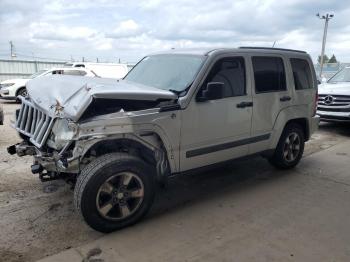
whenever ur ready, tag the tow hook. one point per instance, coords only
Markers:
(12, 149)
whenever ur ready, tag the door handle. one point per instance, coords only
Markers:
(285, 98)
(244, 104)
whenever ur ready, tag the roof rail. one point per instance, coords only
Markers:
(271, 48)
(214, 49)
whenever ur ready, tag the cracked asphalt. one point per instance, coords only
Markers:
(246, 211)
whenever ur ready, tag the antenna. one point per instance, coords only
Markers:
(273, 44)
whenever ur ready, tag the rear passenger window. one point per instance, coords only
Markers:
(269, 74)
(301, 73)
(231, 72)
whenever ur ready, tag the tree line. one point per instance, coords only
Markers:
(328, 60)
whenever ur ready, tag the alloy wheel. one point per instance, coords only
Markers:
(120, 196)
(291, 148)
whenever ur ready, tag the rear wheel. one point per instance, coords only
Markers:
(114, 191)
(290, 147)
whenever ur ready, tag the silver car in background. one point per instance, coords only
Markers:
(334, 98)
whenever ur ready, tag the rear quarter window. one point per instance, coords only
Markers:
(301, 73)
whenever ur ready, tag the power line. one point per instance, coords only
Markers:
(43, 58)
(70, 58)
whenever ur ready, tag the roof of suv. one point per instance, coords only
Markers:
(210, 51)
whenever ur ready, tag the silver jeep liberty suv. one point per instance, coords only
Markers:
(173, 113)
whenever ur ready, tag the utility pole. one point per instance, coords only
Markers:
(12, 48)
(35, 62)
(326, 17)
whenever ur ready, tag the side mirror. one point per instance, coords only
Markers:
(213, 91)
(318, 82)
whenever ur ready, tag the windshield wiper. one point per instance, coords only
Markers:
(176, 92)
(184, 91)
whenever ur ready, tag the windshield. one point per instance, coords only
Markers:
(37, 74)
(342, 76)
(168, 72)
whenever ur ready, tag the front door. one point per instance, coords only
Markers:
(218, 130)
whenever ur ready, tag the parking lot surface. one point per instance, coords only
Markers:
(247, 211)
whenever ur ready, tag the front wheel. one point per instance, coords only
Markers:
(22, 92)
(114, 191)
(290, 147)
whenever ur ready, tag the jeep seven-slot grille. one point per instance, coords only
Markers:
(33, 123)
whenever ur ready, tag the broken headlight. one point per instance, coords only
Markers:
(62, 132)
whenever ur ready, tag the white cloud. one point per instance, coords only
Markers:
(127, 28)
(102, 44)
(46, 31)
(133, 28)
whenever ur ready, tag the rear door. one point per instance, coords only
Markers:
(305, 84)
(271, 94)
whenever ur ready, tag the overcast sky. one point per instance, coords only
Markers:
(130, 29)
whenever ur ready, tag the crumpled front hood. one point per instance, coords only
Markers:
(69, 96)
(336, 89)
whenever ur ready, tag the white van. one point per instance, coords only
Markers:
(106, 70)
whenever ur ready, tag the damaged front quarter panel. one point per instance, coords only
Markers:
(144, 127)
(111, 133)
(104, 115)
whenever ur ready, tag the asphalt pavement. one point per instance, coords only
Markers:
(260, 214)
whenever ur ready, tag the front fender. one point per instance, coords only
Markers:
(147, 136)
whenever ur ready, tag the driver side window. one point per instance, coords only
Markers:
(230, 72)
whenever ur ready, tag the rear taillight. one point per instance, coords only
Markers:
(316, 102)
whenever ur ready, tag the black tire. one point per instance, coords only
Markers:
(87, 192)
(279, 158)
(21, 92)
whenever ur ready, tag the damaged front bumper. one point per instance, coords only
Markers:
(49, 166)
